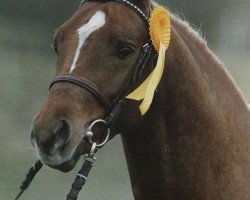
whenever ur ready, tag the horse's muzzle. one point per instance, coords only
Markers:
(53, 139)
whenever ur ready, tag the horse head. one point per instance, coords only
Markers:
(100, 44)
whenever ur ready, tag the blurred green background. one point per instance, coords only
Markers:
(27, 64)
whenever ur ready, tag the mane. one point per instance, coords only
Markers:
(189, 33)
(193, 34)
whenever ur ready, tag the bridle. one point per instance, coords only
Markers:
(112, 109)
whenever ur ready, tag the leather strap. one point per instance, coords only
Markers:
(126, 3)
(80, 180)
(85, 85)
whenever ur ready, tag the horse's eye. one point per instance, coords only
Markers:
(125, 52)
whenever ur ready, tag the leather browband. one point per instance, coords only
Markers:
(85, 85)
(127, 3)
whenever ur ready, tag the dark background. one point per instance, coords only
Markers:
(27, 64)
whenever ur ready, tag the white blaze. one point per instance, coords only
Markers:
(96, 22)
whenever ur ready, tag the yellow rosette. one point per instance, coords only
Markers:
(160, 31)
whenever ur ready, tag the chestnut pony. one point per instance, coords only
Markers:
(193, 143)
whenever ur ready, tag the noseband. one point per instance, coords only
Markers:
(85, 85)
(112, 109)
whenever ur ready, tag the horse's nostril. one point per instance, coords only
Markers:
(62, 134)
(32, 137)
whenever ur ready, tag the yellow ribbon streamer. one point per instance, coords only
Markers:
(160, 36)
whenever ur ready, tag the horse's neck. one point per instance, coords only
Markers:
(193, 142)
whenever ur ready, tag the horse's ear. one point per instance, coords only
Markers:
(145, 5)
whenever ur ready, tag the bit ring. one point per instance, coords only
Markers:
(90, 134)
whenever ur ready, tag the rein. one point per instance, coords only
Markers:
(112, 109)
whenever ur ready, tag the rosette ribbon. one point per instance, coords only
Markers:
(160, 31)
